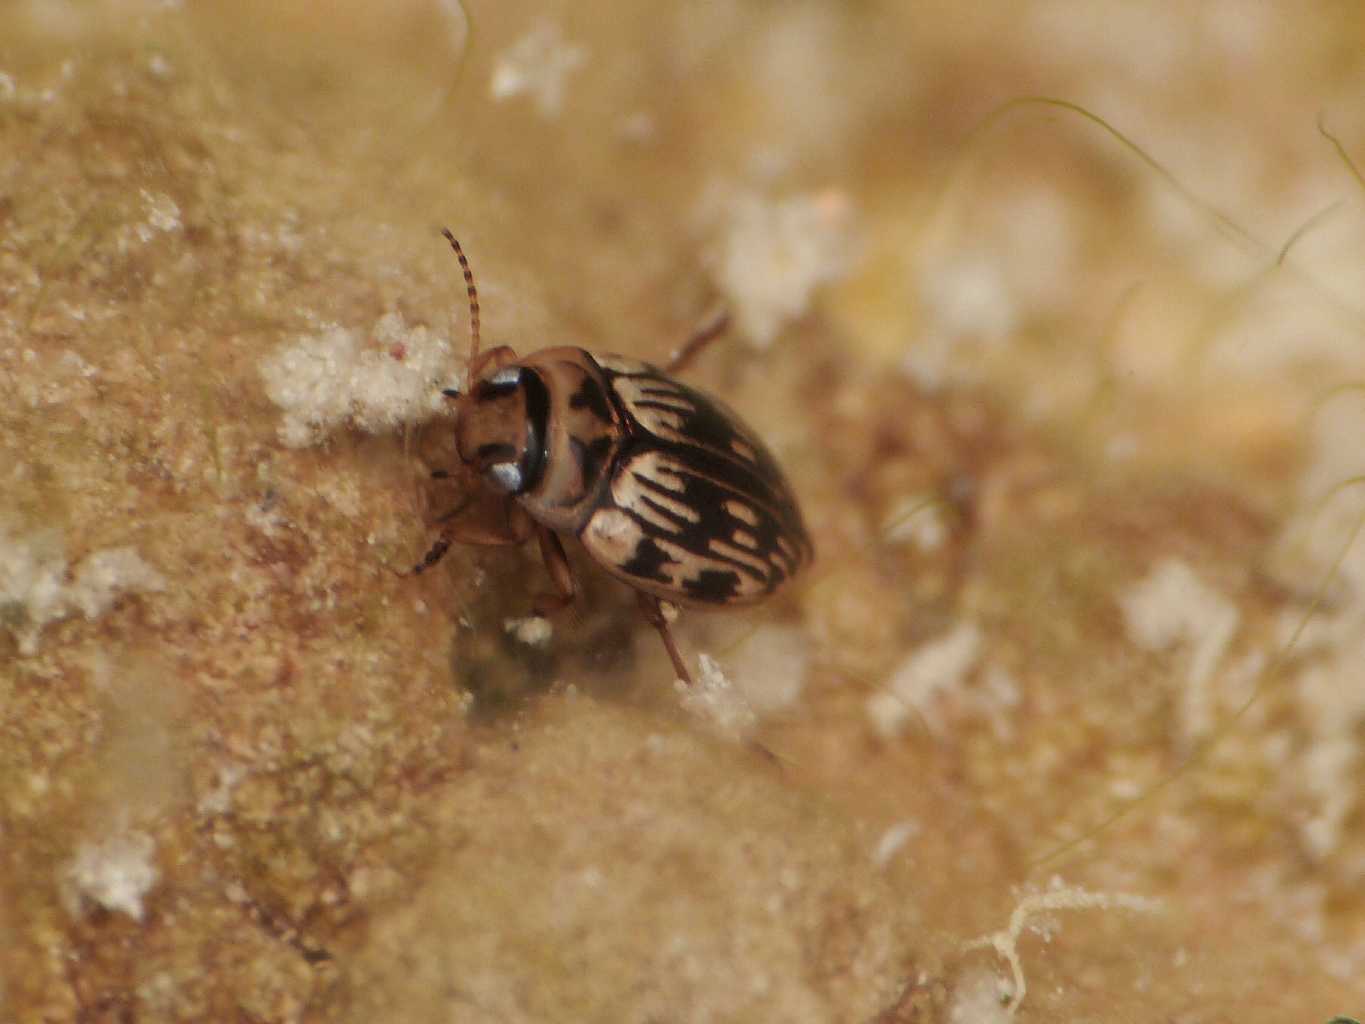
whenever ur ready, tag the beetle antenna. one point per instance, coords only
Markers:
(473, 296)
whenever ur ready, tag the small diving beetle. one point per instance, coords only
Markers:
(665, 487)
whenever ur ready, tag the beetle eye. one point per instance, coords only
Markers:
(505, 476)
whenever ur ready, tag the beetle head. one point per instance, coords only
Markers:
(501, 428)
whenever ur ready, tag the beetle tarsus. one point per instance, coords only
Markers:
(437, 552)
(654, 613)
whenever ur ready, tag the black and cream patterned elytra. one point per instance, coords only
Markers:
(696, 510)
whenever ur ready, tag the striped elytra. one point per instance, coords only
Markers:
(665, 487)
(715, 518)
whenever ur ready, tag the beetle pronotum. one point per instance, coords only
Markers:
(665, 487)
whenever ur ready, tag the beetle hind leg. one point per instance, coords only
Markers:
(654, 613)
(693, 346)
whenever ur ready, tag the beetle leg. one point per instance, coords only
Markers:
(561, 573)
(515, 528)
(701, 337)
(433, 555)
(655, 614)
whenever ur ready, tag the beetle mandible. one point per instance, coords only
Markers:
(666, 488)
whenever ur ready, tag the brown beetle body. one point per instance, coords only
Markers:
(666, 488)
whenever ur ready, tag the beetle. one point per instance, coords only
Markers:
(666, 488)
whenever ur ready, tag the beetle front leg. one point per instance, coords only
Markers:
(561, 574)
(434, 554)
(654, 613)
(514, 526)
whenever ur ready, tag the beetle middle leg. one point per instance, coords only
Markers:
(561, 574)
(653, 610)
(701, 337)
